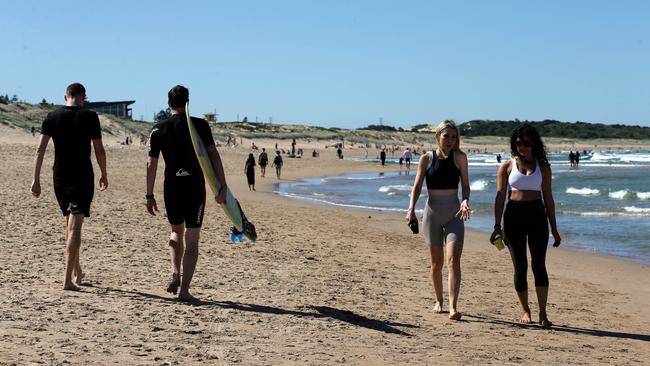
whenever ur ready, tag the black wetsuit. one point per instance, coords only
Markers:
(184, 181)
(73, 129)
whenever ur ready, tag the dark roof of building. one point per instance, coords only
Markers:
(106, 104)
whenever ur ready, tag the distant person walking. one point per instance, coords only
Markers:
(33, 131)
(444, 215)
(382, 157)
(263, 160)
(249, 170)
(577, 158)
(498, 158)
(526, 218)
(72, 128)
(407, 157)
(277, 163)
(572, 159)
(184, 184)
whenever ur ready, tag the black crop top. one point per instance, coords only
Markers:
(446, 176)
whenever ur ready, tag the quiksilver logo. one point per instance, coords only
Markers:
(182, 173)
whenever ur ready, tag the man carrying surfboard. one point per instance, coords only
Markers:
(184, 186)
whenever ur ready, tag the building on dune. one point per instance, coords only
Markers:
(119, 109)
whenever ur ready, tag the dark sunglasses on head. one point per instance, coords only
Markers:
(524, 143)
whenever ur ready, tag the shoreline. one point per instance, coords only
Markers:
(398, 217)
(322, 285)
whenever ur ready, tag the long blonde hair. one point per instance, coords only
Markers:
(448, 123)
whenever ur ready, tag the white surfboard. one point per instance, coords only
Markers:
(231, 207)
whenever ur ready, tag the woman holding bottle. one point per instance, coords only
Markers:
(529, 212)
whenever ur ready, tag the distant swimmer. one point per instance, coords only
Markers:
(72, 128)
(407, 155)
(444, 215)
(184, 184)
(498, 158)
(572, 159)
(527, 217)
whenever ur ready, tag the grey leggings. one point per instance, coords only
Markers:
(440, 224)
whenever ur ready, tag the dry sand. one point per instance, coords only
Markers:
(322, 285)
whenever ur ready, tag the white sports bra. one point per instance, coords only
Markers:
(522, 182)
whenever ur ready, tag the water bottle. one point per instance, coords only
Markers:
(498, 241)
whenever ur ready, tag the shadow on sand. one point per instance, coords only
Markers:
(316, 312)
(563, 328)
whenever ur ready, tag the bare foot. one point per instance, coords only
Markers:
(437, 308)
(71, 287)
(172, 286)
(455, 315)
(544, 322)
(186, 297)
(525, 318)
(78, 277)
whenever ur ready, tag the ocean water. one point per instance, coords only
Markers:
(602, 207)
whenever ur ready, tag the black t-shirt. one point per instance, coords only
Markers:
(72, 129)
(172, 137)
(264, 159)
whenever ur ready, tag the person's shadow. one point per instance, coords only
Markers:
(561, 328)
(318, 312)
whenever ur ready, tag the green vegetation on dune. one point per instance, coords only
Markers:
(552, 128)
(25, 116)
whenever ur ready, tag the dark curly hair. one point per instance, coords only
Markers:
(539, 150)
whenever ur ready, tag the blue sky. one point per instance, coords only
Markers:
(340, 63)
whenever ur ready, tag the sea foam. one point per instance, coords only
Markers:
(637, 210)
(396, 187)
(643, 195)
(478, 185)
(619, 195)
(582, 191)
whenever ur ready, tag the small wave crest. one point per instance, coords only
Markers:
(582, 191)
(478, 185)
(637, 210)
(643, 195)
(619, 195)
(395, 188)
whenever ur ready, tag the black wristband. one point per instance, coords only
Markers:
(148, 196)
(497, 226)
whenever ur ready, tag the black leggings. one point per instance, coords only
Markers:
(523, 220)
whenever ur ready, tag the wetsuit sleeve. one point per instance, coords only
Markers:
(205, 132)
(95, 128)
(154, 143)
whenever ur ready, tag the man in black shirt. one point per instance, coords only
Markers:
(184, 186)
(72, 128)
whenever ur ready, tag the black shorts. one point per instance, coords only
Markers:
(75, 198)
(185, 202)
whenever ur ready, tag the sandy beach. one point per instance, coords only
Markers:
(322, 285)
